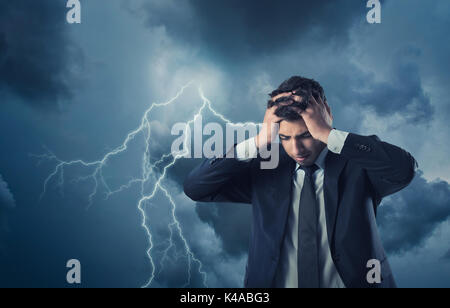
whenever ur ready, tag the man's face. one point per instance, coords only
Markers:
(298, 142)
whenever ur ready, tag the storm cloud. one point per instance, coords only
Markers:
(403, 93)
(38, 61)
(388, 79)
(6, 197)
(244, 30)
(6, 204)
(446, 255)
(231, 223)
(408, 218)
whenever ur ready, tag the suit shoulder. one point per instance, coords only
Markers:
(375, 137)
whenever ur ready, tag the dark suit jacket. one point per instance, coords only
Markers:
(355, 182)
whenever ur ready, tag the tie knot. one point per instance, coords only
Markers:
(309, 170)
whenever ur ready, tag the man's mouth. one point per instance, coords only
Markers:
(301, 157)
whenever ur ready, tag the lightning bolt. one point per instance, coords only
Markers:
(148, 173)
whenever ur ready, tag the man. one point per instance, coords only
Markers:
(314, 215)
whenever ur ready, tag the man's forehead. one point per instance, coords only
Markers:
(289, 128)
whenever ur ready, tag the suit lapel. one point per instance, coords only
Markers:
(282, 191)
(334, 164)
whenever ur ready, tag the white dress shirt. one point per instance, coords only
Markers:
(286, 275)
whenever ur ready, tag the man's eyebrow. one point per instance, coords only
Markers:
(301, 135)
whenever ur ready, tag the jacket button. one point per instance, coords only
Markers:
(364, 148)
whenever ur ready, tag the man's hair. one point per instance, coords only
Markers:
(303, 87)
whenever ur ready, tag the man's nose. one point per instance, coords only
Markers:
(298, 148)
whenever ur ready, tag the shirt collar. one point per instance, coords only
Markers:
(320, 160)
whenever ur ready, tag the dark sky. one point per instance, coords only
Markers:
(75, 92)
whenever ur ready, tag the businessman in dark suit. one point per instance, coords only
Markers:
(314, 215)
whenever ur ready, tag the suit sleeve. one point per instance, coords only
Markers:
(388, 167)
(220, 179)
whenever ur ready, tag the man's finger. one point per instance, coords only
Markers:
(321, 102)
(327, 107)
(278, 120)
(281, 95)
(298, 110)
(313, 100)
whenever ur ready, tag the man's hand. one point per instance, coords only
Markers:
(270, 127)
(318, 118)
